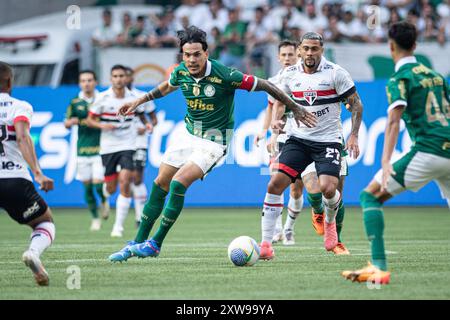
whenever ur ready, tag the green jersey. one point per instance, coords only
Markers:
(425, 93)
(88, 143)
(210, 100)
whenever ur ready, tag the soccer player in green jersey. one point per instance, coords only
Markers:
(208, 87)
(419, 96)
(89, 163)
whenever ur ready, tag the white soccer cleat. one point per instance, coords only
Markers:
(116, 233)
(33, 262)
(96, 224)
(289, 239)
(105, 208)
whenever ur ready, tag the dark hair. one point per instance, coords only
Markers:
(312, 36)
(287, 43)
(6, 73)
(107, 12)
(404, 34)
(88, 71)
(118, 67)
(192, 35)
(129, 70)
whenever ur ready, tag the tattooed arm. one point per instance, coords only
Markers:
(354, 105)
(161, 90)
(300, 113)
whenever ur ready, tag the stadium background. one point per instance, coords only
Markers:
(242, 179)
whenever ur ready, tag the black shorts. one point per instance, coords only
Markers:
(140, 159)
(114, 162)
(19, 198)
(298, 153)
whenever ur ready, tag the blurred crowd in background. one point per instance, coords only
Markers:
(239, 30)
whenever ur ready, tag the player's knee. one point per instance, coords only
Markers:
(296, 193)
(111, 188)
(137, 180)
(162, 182)
(275, 186)
(328, 191)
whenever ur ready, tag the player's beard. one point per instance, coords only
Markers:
(310, 62)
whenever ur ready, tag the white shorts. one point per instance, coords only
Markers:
(415, 169)
(189, 148)
(312, 168)
(90, 168)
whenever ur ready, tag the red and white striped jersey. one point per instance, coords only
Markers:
(320, 93)
(123, 137)
(12, 163)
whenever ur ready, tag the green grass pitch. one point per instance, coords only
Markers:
(193, 263)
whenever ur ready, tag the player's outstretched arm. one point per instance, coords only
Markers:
(390, 140)
(354, 105)
(300, 113)
(26, 147)
(267, 120)
(160, 91)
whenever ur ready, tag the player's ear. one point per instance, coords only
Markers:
(207, 53)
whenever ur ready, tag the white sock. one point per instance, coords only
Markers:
(295, 206)
(279, 224)
(331, 207)
(106, 194)
(42, 237)
(140, 197)
(273, 206)
(122, 206)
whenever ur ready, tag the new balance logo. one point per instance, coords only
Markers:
(31, 210)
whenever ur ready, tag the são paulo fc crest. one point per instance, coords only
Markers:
(310, 96)
(209, 90)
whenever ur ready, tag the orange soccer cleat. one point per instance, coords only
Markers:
(266, 251)
(340, 249)
(368, 274)
(317, 221)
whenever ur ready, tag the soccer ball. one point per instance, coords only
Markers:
(243, 251)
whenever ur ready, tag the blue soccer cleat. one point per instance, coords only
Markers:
(123, 254)
(148, 248)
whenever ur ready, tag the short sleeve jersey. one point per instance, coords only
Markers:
(425, 95)
(320, 93)
(210, 99)
(123, 137)
(88, 143)
(12, 163)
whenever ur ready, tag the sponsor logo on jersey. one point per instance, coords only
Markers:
(214, 80)
(6, 103)
(9, 165)
(324, 84)
(310, 97)
(31, 210)
(198, 104)
(209, 90)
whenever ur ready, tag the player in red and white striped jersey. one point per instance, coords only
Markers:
(117, 141)
(320, 86)
(18, 195)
